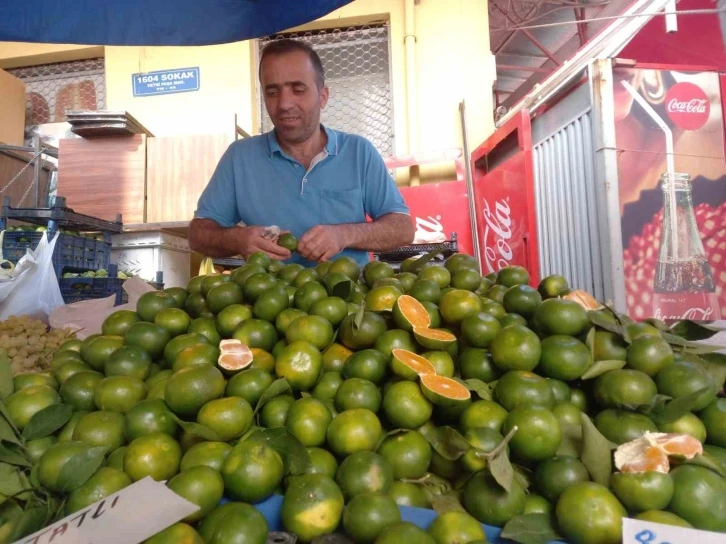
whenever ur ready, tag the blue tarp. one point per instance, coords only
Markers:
(154, 22)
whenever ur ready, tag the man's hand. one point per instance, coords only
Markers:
(252, 240)
(322, 242)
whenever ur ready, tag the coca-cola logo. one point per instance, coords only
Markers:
(687, 106)
(693, 314)
(497, 232)
(430, 225)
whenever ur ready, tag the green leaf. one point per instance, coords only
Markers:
(657, 403)
(601, 367)
(432, 484)
(419, 263)
(596, 454)
(690, 330)
(358, 319)
(446, 441)
(688, 346)
(521, 476)
(277, 388)
(32, 520)
(79, 468)
(499, 465)
(10, 480)
(6, 376)
(571, 444)
(344, 290)
(706, 461)
(480, 388)
(597, 318)
(11, 457)
(196, 429)
(47, 421)
(715, 363)
(8, 432)
(447, 502)
(294, 455)
(590, 342)
(530, 529)
(680, 406)
(502, 470)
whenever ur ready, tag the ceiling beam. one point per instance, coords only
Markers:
(529, 35)
(518, 68)
(613, 8)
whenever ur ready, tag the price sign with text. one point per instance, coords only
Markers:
(647, 532)
(129, 516)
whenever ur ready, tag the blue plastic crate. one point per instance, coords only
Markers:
(72, 253)
(78, 289)
(421, 517)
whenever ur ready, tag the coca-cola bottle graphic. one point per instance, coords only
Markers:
(684, 287)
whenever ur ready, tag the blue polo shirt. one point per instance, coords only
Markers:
(258, 184)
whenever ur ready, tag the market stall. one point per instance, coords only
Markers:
(483, 385)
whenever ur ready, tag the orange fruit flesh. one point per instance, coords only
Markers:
(681, 445)
(651, 460)
(234, 355)
(650, 452)
(413, 311)
(446, 387)
(435, 334)
(415, 362)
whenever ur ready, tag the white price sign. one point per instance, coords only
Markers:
(132, 515)
(647, 532)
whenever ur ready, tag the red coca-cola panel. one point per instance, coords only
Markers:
(504, 198)
(441, 208)
(674, 241)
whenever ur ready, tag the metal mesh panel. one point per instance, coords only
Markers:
(567, 213)
(357, 71)
(53, 89)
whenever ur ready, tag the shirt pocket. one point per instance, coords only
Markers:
(341, 206)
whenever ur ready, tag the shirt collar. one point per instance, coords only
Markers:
(331, 147)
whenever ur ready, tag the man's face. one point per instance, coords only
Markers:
(292, 97)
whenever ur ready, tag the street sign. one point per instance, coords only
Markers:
(180, 80)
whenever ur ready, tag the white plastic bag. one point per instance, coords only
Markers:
(32, 289)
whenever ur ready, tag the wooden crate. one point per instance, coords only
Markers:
(21, 191)
(178, 170)
(104, 176)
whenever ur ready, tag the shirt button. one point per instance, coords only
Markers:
(295, 165)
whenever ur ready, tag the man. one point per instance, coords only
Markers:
(317, 183)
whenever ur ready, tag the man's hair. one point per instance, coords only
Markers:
(287, 45)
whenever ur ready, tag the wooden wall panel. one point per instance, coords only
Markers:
(12, 109)
(20, 191)
(178, 170)
(104, 176)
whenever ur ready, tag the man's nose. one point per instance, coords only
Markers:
(286, 101)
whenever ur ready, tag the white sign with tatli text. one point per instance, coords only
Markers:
(132, 515)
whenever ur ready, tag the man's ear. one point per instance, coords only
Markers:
(324, 95)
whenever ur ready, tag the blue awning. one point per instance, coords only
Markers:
(154, 22)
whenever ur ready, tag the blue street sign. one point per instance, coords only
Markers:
(181, 80)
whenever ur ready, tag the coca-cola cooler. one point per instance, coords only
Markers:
(619, 184)
(439, 210)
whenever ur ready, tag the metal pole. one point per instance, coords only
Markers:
(469, 184)
(606, 179)
(36, 169)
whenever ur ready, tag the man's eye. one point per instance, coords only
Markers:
(271, 92)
